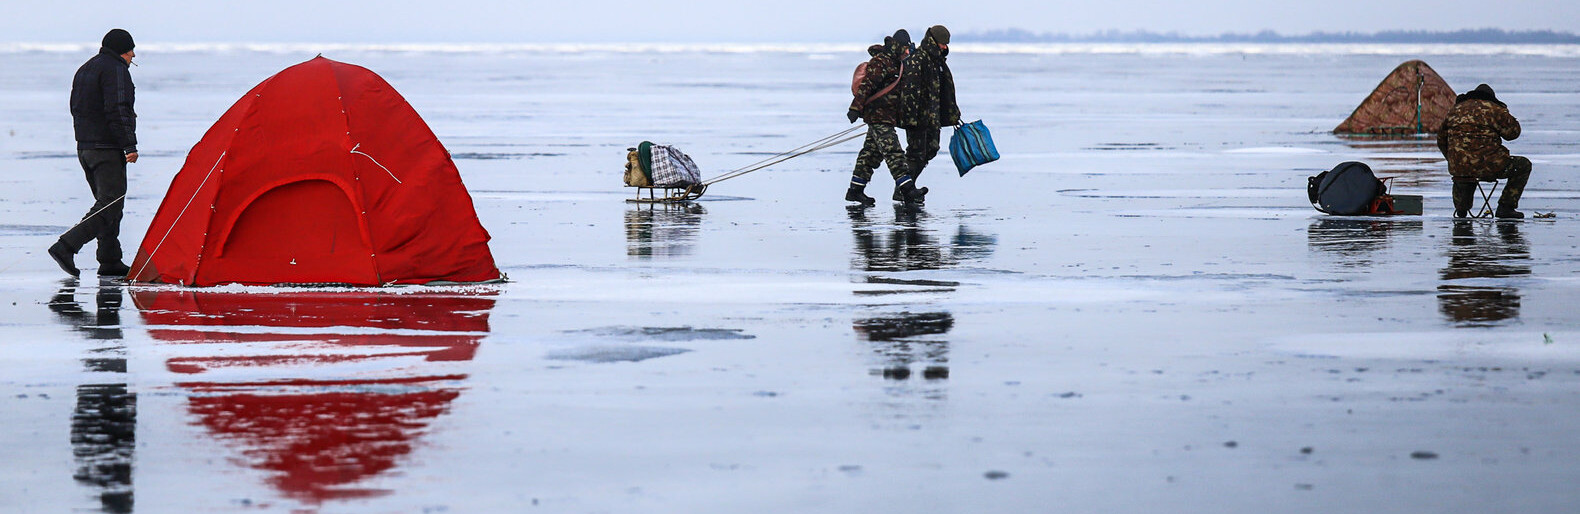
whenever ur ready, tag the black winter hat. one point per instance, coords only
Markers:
(118, 41)
(902, 38)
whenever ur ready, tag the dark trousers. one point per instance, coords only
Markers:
(106, 174)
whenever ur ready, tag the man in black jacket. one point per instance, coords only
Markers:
(106, 126)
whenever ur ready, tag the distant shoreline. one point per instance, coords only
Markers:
(1467, 36)
(308, 49)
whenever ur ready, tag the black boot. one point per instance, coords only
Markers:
(899, 197)
(1464, 198)
(1512, 190)
(856, 194)
(65, 258)
(114, 269)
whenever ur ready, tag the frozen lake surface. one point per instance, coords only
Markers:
(1135, 310)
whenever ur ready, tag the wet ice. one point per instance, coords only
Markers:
(1084, 323)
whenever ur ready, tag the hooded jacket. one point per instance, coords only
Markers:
(927, 92)
(1472, 136)
(101, 104)
(883, 69)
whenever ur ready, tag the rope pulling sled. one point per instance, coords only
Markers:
(642, 161)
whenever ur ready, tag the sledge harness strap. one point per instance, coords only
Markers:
(826, 142)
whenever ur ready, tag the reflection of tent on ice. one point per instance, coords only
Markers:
(1414, 99)
(320, 174)
(323, 392)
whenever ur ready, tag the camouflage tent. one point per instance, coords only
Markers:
(1414, 99)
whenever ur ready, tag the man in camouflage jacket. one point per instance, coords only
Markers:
(927, 99)
(882, 112)
(1472, 140)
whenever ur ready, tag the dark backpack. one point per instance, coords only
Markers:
(1348, 189)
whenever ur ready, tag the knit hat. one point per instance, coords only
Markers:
(902, 38)
(118, 41)
(939, 34)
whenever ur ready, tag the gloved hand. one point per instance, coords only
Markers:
(853, 115)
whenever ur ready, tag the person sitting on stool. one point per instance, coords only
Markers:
(1472, 140)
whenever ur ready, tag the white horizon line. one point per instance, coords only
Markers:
(1204, 48)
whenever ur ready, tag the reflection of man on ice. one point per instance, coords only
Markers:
(106, 128)
(1472, 141)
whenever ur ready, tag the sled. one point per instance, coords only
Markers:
(670, 194)
(653, 168)
(663, 174)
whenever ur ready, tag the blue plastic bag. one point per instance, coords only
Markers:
(972, 146)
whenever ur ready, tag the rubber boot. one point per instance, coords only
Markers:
(908, 193)
(1513, 188)
(898, 197)
(1464, 198)
(856, 194)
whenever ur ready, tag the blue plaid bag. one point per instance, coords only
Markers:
(972, 146)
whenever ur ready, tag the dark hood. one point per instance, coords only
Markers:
(1482, 92)
(931, 46)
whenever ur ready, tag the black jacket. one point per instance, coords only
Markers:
(101, 104)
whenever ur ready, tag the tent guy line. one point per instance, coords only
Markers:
(376, 162)
(183, 212)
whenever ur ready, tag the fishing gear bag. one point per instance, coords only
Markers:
(1352, 189)
(972, 146)
(635, 174)
(650, 165)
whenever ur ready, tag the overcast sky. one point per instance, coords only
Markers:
(752, 21)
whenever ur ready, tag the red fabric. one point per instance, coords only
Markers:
(318, 436)
(273, 193)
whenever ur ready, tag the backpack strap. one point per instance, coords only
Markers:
(886, 90)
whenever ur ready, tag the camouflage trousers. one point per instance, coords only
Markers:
(882, 146)
(921, 146)
(1515, 174)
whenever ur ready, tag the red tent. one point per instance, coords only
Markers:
(320, 174)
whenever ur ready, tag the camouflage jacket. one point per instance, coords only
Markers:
(927, 92)
(1472, 138)
(882, 70)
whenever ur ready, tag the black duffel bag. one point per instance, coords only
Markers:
(1348, 189)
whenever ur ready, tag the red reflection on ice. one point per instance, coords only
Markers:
(324, 390)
